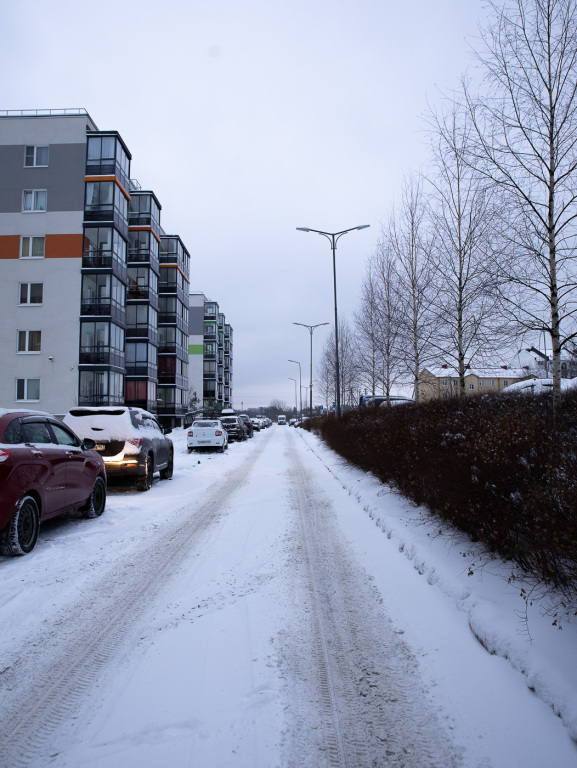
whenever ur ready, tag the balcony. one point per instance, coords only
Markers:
(101, 356)
(142, 333)
(104, 307)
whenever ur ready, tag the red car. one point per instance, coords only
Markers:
(45, 470)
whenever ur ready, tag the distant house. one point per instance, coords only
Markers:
(443, 382)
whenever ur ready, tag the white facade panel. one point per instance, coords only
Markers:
(56, 365)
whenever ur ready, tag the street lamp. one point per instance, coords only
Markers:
(333, 238)
(311, 329)
(300, 385)
(296, 403)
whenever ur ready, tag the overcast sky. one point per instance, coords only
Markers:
(249, 118)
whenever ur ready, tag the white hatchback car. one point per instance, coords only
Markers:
(207, 433)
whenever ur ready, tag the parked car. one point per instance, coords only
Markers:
(235, 428)
(45, 470)
(246, 420)
(281, 420)
(130, 440)
(395, 400)
(256, 424)
(207, 433)
(367, 400)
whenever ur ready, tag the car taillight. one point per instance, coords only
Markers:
(4, 455)
(190, 433)
(218, 433)
(137, 441)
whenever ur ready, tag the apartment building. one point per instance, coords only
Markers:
(85, 270)
(210, 354)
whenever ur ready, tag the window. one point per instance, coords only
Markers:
(101, 387)
(444, 381)
(32, 248)
(105, 156)
(506, 383)
(36, 156)
(141, 316)
(492, 383)
(471, 386)
(101, 289)
(63, 436)
(481, 383)
(36, 432)
(34, 200)
(31, 293)
(140, 390)
(29, 341)
(27, 389)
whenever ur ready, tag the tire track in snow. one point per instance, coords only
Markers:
(56, 668)
(356, 698)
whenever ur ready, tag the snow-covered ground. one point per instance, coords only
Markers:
(273, 606)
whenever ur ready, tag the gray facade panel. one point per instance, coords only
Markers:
(63, 178)
(196, 321)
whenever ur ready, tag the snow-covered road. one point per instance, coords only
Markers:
(249, 614)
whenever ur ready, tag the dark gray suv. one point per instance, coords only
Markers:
(130, 440)
(235, 428)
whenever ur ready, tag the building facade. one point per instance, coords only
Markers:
(210, 355)
(443, 382)
(85, 271)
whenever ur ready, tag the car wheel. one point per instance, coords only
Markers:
(23, 529)
(97, 500)
(190, 450)
(166, 474)
(145, 483)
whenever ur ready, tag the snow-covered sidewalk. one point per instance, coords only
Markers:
(516, 629)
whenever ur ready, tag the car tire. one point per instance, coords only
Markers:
(145, 483)
(167, 472)
(97, 501)
(23, 528)
(190, 450)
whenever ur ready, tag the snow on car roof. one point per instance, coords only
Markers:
(4, 411)
(111, 423)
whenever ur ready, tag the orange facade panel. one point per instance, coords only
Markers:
(63, 246)
(9, 246)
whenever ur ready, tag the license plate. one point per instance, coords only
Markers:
(204, 442)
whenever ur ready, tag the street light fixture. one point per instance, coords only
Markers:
(296, 403)
(311, 329)
(300, 386)
(333, 237)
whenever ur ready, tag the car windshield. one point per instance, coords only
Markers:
(229, 420)
(201, 424)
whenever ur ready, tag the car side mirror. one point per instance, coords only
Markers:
(88, 444)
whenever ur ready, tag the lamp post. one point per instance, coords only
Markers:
(311, 329)
(333, 237)
(300, 386)
(296, 403)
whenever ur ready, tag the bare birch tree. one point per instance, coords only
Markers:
(409, 238)
(368, 332)
(526, 144)
(469, 325)
(349, 377)
(378, 323)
